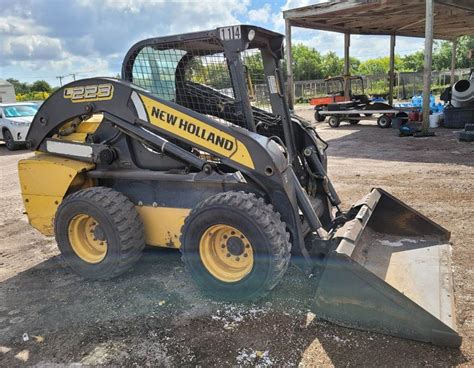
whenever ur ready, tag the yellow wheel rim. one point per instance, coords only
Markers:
(226, 253)
(87, 238)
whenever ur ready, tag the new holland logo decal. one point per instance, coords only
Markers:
(193, 130)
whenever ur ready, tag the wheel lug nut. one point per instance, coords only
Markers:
(228, 254)
(225, 236)
(237, 259)
(232, 232)
(247, 246)
(246, 255)
(223, 246)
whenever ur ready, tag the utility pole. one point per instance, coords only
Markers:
(453, 60)
(289, 66)
(60, 77)
(429, 19)
(347, 66)
(392, 70)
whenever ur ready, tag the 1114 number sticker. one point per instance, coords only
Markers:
(230, 33)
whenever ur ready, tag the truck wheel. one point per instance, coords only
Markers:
(334, 121)
(318, 117)
(354, 119)
(99, 232)
(9, 141)
(235, 246)
(384, 121)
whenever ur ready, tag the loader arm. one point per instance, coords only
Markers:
(167, 128)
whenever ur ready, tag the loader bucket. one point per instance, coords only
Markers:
(390, 272)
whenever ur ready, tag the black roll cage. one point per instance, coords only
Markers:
(208, 42)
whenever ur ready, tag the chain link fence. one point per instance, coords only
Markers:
(407, 84)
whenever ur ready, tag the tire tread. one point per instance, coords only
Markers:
(125, 219)
(266, 218)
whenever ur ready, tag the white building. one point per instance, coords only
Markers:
(7, 92)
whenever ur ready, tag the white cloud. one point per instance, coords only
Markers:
(260, 15)
(279, 22)
(43, 39)
(62, 37)
(17, 26)
(363, 47)
(31, 47)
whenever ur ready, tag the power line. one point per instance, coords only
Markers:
(73, 75)
(60, 77)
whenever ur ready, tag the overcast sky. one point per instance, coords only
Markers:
(41, 39)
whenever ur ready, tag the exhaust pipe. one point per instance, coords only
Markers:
(390, 272)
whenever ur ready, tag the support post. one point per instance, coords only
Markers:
(453, 60)
(290, 86)
(347, 66)
(392, 70)
(427, 65)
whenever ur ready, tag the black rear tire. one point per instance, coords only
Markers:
(9, 141)
(354, 119)
(318, 117)
(384, 121)
(120, 227)
(334, 121)
(264, 232)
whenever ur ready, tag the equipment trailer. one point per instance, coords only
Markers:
(354, 115)
(347, 101)
(195, 149)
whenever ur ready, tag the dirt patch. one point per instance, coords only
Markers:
(154, 315)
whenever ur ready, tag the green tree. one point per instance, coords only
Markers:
(413, 62)
(332, 65)
(375, 66)
(306, 63)
(443, 50)
(355, 65)
(20, 87)
(254, 63)
(41, 86)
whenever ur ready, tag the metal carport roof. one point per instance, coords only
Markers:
(452, 18)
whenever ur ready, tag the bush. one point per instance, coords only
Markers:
(32, 96)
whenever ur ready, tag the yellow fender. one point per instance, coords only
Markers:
(45, 180)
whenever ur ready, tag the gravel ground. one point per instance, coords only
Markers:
(154, 315)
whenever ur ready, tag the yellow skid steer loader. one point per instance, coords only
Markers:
(195, 148)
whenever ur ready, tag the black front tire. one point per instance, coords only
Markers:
(120, 223)
(9, 141)
(334, 121)
(263, 228)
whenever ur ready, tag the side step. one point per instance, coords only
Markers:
(391, 273)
